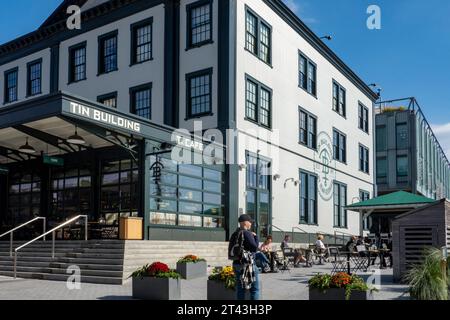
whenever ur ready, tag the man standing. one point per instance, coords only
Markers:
(243, 245)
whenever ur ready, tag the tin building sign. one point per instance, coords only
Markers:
(104, 117)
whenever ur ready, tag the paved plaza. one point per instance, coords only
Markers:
(288, 285)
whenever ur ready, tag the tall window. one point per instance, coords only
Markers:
(363, 112)
(34, 78)
(363, 159)
(402, 166)
(308, 198)
(258, 37)
(340, 201)
(340, 146)
(307, 75)
(402, 135)
(381, 167)
(11, 83)
(308, 129)
(108, 100)
(381, 138)
(339, 99)
(107, 53)
(141, 101)
(199, 88)
(77, 63)
(141, 41)
(199, 19)
(259, 191)
(258, 106)
(364, 196)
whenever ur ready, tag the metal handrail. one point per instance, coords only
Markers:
(300, 229)
(343, 235)
(53, 238)
(11, 232)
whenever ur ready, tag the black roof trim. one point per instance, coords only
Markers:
(294, 21)
(60, 13)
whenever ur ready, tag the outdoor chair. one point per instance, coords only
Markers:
(317, 255)
(338, 261)
(362, 259)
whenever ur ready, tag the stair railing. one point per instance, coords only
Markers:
(303, 231)
(11, 232)
(68, 222)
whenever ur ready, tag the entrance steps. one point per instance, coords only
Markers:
(103, 261)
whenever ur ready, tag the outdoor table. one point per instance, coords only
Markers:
(378, 253)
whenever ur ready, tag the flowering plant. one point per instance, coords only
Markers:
(323, 282)
(225, 275)
(190, 259)
(156, 270)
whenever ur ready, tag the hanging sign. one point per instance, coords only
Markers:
(53, 161)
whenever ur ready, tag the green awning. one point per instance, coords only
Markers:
(400, 199)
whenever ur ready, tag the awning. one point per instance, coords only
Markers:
(48, 121)
(397, 201)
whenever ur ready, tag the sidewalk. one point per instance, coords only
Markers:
(281, 286)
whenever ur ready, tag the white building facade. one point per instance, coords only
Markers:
(246, 65)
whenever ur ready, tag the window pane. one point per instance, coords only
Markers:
(200, 95)
(265, 43)
(200, 24)
(264, 111)
(251, 33)
(402, 166)
(143, 40)
(142, 100)
(402, 136)
(251, 100)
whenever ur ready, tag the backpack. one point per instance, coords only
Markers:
(236, 245)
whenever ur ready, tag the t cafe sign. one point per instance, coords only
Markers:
(104, 117)
(324, 166)
(190, 144)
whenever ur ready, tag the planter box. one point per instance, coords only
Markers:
(191, 270)
(217, 291)
(156, 289)
(338, 295)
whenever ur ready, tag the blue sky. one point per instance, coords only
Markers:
(409, 56)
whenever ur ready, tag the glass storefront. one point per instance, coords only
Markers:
(185, 195)
(24, 197)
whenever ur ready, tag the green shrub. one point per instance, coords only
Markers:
(426, 280)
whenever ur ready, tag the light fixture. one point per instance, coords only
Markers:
(327, 37)
(27, 148)
(295, 182)
(76, 139)
(276, 177)
(242, 167)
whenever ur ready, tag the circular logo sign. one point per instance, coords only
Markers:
(324, 166)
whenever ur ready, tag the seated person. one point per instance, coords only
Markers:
(350, 247)
(289, 252)
(262, 257)
(266, 249)
(320, 247)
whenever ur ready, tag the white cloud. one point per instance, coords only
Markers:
(295, 6)
(442, 132)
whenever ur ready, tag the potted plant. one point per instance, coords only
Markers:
(339, 287)
(222, 284)
(192, 267)
(156, 282)
(427, 280)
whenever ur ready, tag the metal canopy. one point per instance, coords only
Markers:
(47, 122)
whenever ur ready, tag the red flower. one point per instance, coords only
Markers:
(341, 280)
(157, 268)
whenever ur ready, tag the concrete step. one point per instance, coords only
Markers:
(84, 272)
(64, 277)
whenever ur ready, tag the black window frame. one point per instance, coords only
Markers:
(340, 88)
(259, 87)
(307, 131)
(337, 155)
(363, 117)
(29, 84)
(259, 21)
(133, 45)
(304, 217)
(304, 77)
(71, 64)
(108, 96)
(339, 224)
(364, 196)
(364, 162)
(197, 74)
(6, 96)
(101, 52)
(133, 91)
(189, 8)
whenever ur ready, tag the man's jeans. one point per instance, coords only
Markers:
(241, 292)
(261, 260)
